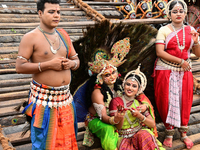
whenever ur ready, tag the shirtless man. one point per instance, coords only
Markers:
(49, 57)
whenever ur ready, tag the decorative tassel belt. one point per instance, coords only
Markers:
(126, 133)
(171, 65)
(51, 96)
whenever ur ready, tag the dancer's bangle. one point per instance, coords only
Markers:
(147, 106)
(39, 68)
(143, 119)
(198, 43)
(182, 61)
(112, 120)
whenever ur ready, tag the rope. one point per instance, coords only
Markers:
(4, 141)
(89, 11)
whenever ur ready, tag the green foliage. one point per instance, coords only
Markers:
(13, 30)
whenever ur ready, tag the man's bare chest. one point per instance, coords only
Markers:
(43, 47)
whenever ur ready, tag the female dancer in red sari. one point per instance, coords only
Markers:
(173, 80)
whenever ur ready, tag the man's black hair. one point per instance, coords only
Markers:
(40, 3)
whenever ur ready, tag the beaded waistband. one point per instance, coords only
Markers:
(51, 96)
(126, 133)
(171, 65)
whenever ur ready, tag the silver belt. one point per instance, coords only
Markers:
(52, 97)
(126, 133)
(172, 66)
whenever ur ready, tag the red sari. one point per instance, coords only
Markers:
(174, 87)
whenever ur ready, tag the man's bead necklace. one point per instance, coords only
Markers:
(54, 51)
(181, 47)
(46, 32)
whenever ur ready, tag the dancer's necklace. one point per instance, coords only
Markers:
(181, 47)
(129, 98)
(54, 51)
(126, 115)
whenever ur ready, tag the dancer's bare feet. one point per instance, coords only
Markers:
(189, 144)
(168, 141)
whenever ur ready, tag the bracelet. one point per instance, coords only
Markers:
(196, 43)
(143, 119)
(147, 106)
(39, 67)
(182, 61)
(112, 120)
(75, 65)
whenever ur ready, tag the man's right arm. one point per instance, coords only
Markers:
(23, 64)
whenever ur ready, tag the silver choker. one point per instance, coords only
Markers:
(46, 32)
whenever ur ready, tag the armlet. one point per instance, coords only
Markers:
(21, 57)
(98, 108)
(74, 55)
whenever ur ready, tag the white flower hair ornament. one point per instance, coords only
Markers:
(169, 3)
(139, 77)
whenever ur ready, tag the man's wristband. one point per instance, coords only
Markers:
(75, 65)
(39, 67)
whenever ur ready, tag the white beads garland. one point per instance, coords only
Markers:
(181, 47)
